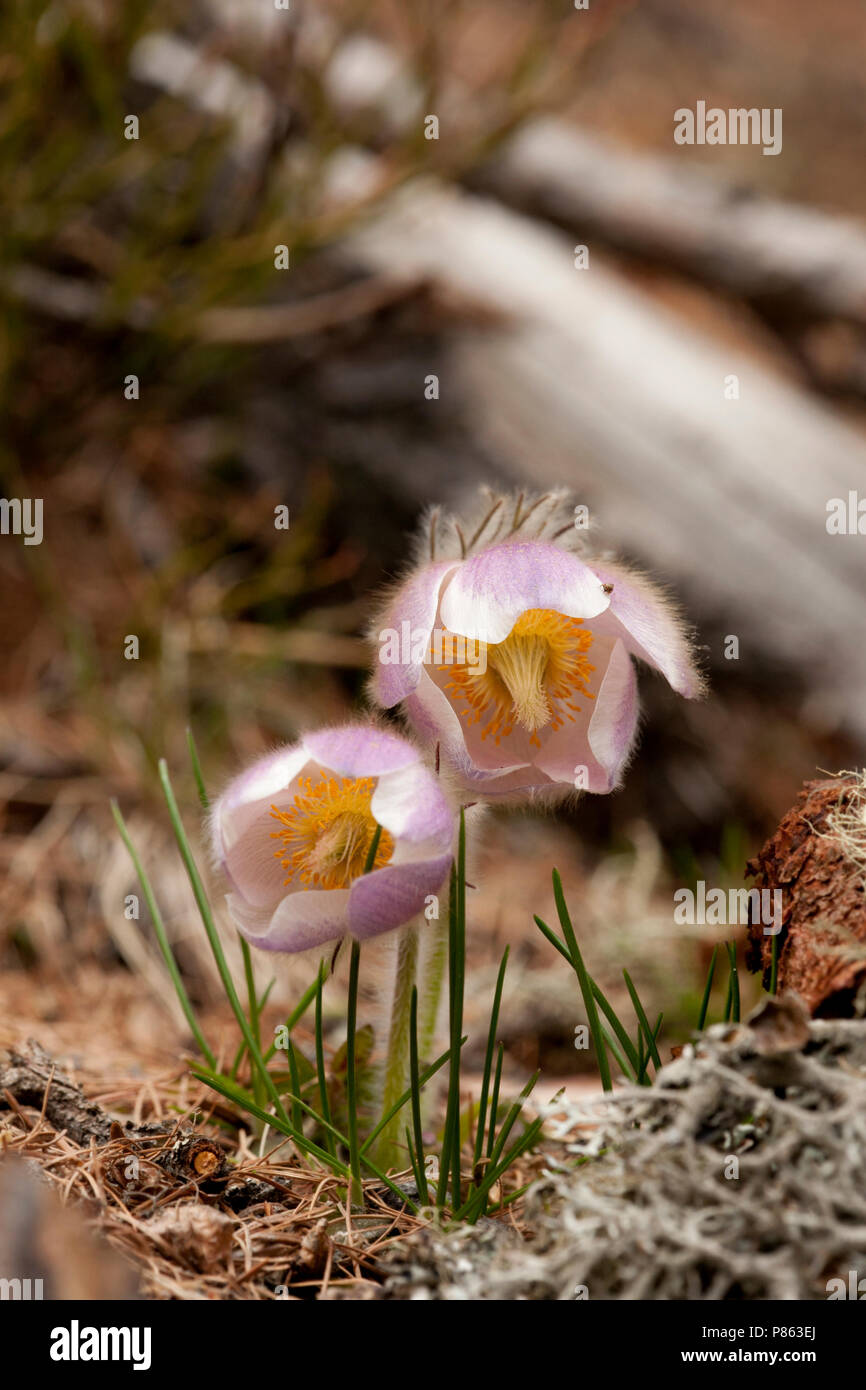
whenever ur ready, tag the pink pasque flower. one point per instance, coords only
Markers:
(293, 834)
(514, 654)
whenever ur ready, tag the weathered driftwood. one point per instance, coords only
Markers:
(591, 384)
(666, 209)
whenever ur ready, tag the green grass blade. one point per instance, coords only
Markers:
(643, 1020)
(449, 1125)
(494, 1101)
(553, 938)
(512, 1115)
(249, 974)
(299, 1010)
(729, 997)
(583, 982)
(416, 1171)
(321, 1075)
(617, 1055)
(296, 1086)
(242, 1047)
(457, 1026)
(473, 1208)
(299, 1104)
(368, 1163)
(512, 1197)
(607, 1008)
(425, 1076)
(618, 1027)
(215, 943)
(252, 1011)
(278, 1122)
(488, 1059)
(731, 947)
(162, 938)
(196, 771)
(708, 987)
(373, 849)
(643, 1079)
(415, 1087)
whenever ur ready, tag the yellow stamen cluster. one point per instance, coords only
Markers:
(530, 679)
(327, 832)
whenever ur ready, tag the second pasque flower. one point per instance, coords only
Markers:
(514, 654)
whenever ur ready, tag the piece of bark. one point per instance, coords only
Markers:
(28, 1076)
(822, 942)
(33, 1079)
(195, 1158)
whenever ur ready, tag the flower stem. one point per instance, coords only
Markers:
(434, 954)
(357, 1193)
(388, 1151)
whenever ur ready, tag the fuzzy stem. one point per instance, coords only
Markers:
(434, 957)
(356, 1195)
(388, 1153)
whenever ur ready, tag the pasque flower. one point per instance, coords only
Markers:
(293, 834)
(514, 654)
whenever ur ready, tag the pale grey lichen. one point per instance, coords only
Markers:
(651, 1214)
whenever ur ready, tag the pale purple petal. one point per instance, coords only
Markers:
(515, 750)
(650, 627)
(411, 615)
(488, 593)
(360, 750)
(308, 917)
(392, 895)
(251, 922)
(242, 827)
(410, 805)
(251, 865)
(433, 717)
(591, 753)
(511, 783)
(242, 799)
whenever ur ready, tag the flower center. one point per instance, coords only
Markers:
(528, 680)
(326, 834)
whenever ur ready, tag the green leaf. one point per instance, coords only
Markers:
(162, 938)
(643, 1020)
(705, 1002)
(488, 1059)
(416, 1153)
(734, 985)
(215, 944)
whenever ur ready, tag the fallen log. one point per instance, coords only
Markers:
(666, 209)
(692, 456)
